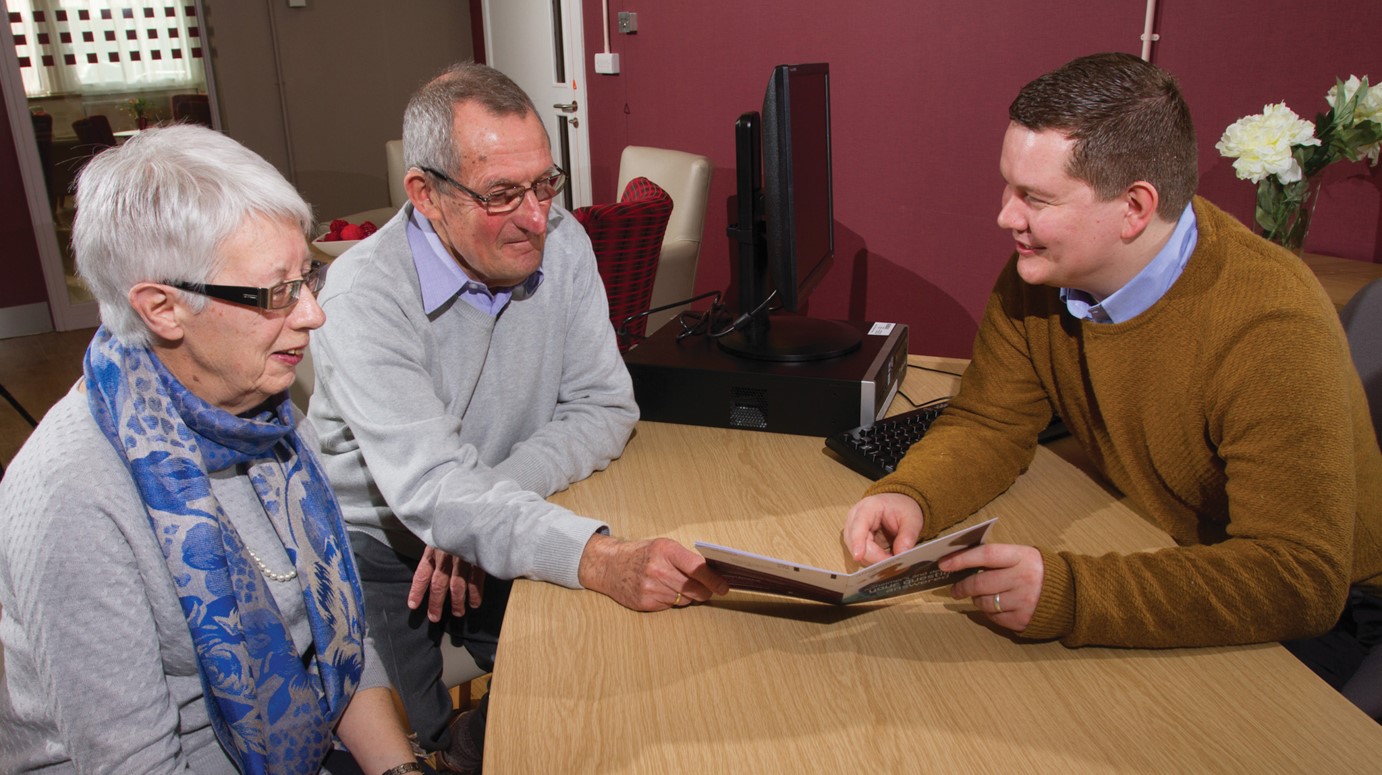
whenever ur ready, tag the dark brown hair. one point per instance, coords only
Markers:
(1128, 122)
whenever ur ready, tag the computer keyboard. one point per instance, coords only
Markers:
(875, 450)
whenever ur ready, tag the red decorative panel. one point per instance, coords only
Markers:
(56, 46)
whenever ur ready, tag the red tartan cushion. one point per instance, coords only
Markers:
(627, 237)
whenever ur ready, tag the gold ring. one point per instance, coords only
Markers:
(997, 605)
(677, 602)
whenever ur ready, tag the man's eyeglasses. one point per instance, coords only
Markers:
(281, 296)
(508, 199)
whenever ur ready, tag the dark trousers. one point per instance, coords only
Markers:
(409, 644)
(1349, 657)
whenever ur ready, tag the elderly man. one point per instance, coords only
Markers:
(468, 370)
(1200, 367)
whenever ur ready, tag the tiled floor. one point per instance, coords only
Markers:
(36, 371)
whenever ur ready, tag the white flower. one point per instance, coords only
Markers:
(1369, 107)
(1261, 144)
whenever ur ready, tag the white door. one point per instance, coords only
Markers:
(539, 44)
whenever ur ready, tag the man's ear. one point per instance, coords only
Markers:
(422, 193)
(1140, 200)
(158, 307)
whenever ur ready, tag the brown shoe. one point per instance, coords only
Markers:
(465, 751)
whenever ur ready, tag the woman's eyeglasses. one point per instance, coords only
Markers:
(281, 296)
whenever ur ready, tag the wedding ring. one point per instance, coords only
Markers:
(997, 605)
(677, 602)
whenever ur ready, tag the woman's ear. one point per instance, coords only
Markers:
(157, 305)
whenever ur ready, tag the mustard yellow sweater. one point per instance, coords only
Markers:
(1230, 411)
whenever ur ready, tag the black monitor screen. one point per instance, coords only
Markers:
(798, 201)
(786, 229)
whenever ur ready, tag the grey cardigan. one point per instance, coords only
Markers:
(99, 664)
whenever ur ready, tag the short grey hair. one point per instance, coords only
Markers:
(161, 206)
(428, 139)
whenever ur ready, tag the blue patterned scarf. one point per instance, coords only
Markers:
(272, 710)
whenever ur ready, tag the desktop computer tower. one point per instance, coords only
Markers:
(694, 382)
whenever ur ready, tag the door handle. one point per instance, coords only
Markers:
(569, 107)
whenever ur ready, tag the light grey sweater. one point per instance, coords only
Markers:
(100, 672)
(451, 428)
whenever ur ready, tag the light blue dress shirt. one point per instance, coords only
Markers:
(1147, 288)
(442, 277)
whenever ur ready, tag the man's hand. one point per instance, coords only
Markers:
(439, 574)
(647, 575)
(880, 526)
(1009, 587)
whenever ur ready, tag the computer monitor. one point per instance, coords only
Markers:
(786, 228)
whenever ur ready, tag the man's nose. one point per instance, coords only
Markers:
(532, 213)
(1009, 217)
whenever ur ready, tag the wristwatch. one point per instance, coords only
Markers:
(404, 769)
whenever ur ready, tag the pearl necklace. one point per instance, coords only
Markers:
(270, 575)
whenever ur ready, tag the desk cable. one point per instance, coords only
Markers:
(902, 393)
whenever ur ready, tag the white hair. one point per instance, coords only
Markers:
(159, 208)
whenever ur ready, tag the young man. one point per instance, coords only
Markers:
(1200, 367)
(467, 370)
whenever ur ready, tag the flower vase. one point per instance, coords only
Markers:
(1284, 210)
(142, 122)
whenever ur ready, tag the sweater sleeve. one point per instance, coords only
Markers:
(371, 369)
(988, 435)
(88, 628)
(595, 412)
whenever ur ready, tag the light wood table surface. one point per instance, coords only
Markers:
(1341, 277)
(921, 683)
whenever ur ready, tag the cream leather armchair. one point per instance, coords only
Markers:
(686, 176)
(393, 157)
(398, 196)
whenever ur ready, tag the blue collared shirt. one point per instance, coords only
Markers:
(442, 277)
(1147, 288)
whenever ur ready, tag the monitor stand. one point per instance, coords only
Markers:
(793, 340)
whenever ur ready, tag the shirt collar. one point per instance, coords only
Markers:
(442, 277)
(1148, 286)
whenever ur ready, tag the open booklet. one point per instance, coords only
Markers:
(912, 571)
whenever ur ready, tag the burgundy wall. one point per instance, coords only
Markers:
(920, 90)
(19, 262)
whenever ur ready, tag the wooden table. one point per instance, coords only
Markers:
(1341, 277)
(758, 684)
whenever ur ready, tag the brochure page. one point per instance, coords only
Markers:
(911, 571)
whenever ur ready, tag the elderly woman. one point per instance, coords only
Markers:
(178, 591)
